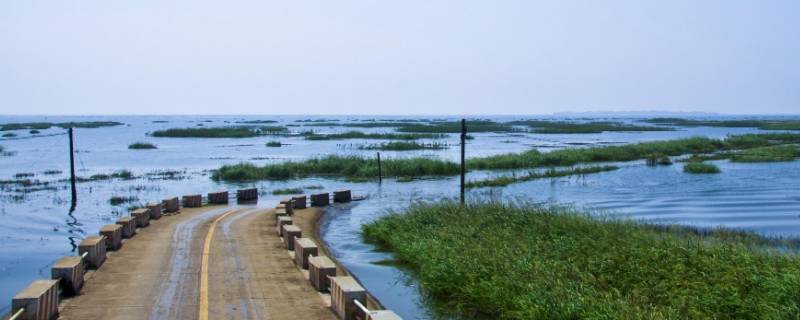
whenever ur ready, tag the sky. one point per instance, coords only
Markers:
(398, 57)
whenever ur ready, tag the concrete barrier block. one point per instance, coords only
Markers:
(39, 299)
(95, 246)
(142, 217)
(319, 269)
(247, 195)
(155, 210)
(383, 315)
(342, 196)
(282, 221)
(128, 226)
(69, 273)
(171, 204)
(304, 247)
(192, 201)
(285, 201)
(113, 234)
(279, 214)
(299, 202)
(343, 291)
(220, 197)
(320, 199)
(290, 232)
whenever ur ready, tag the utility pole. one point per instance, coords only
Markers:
(380, 172)
(463, 164)
(72, 168)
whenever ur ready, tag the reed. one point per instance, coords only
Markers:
(287, 191)
(220, 132)
(767, 154)
(550, 173)
(141, 146)
(310, 135)
(274, 144)
(404, 146)
(761, 124)
(555, 127)
(455, 127)
(700, 168)
(48, 125)
(533, 262)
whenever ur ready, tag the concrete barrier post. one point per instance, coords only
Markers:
(304, 247)
(128, 226)
(383, 315)
(343, 291)
(280, 213)
(192, 201)
(39, 299)
(290, 232)
(342, 196)
(142, 217)
(282, 221)
(95, 247)
(320, 199)
(69, 273)
(171, 204)
(113, 234)
(220, 197)
(319, 269)
(155, 210)
(299, 202)
(247, 195)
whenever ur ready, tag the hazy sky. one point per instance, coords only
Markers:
(398, 57)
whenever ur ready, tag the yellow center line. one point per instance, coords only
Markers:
(203, 313)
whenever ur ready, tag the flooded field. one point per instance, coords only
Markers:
(39, 225)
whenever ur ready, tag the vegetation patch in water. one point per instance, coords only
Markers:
(657, 159)
(9, 135)
(274, 144)
(761, 124)
(555, 127)
(498, 261)
(220, 132)
(141, 146)
(363, 135)
(118, 200)
(455, 127)
(404, 146)
(700, 168)
(287, 191)
(550, 173)
(343, 166)
(767, 154)
(121, 174)
(48, 125)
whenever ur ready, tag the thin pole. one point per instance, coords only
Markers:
(72, 168)
(380, 171)
(463, 164)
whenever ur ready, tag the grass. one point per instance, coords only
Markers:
(497, 261)
(121, 174)
(767, 154)
(700, 168)
(118, 200)
(657, 159)
(141, 146)
(287, 191)
(361, 135)
(9, 135)
(220, 132)
(455, 127)
(556, 127)
(629, 152)
(761, 124)
(344, 166)
(257, 121)
(550, 173)
(274, 144)
(404, 146)
(48, 125)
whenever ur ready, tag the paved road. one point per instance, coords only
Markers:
(157, 274)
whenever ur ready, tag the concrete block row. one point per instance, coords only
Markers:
(192, 201)
(220, 197)
(247, 195)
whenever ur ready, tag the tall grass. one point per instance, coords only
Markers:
(761, 124)
(553, 127)
(363, 135)
(509, 262)
(220, 132)
(404, 146)
(767, 154)
(141, 145)
(455, 127)
(550, 173)
(343, 166)
(48, 125)
(700, 168)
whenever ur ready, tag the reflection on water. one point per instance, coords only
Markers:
(35, 232)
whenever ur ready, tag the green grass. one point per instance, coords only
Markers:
(455, 127)
(274, 144)
(220, 132)
(343, 166)
(767, 154)
(404, 146)
(363, 135)
(120, 174)
(657, 159)
(141, 145)
(700, 168)
(48, 125)
(493, 261)
(555, 127)
(761, 124)
(549, 173)
(287, 191)
(629, 152)
(118, 200)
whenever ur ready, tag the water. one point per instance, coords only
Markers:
(38, 226)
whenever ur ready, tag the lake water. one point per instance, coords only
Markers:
(38, 226)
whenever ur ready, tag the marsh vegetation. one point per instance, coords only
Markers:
(221, 132)
(700, 168)
(405, 146)
(363, 135)
(555, 127)
(47, 125)
(761, 124)
(533, 175)
(141, 146)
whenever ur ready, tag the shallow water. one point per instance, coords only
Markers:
(38, 227)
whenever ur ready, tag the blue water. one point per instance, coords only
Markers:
(38, 226)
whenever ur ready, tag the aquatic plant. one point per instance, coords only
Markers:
(120, 174)
(34, 131)
(404, 146)
(287, 191)
(533, 262)
(256, 121)
(118, 200)
(656, 159)
(310, 135)
(23, 175)
(761, 124)
(700, 167)
(220, 132)
(48, 125)
(274, 144)
(141, 145)
(550, 173)
(553, 127)
(344, 166)
(9, 135)
(767, 154)
(455, 127)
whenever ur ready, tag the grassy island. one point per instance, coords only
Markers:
(141, 146)
(555, 127)
(220, 132)
(363, 135)
(700, 168)
(496, 261)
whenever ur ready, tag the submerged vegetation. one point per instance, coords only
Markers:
(363, 135)
(405, 146)
(48, 125)
(554, 127)
(550, 173)
(345, 166)
(761, 124)
(533, 262)
(220, 132)
(141, 146)
(700, 168)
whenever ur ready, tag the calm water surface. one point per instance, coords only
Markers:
(38, 226)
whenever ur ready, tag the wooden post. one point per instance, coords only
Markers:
(380, 171)
(72, 168)
(463, 164)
